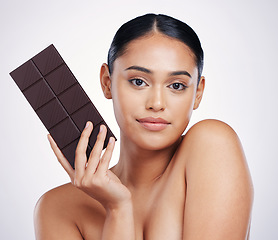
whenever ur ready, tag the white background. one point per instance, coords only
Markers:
(240, 42)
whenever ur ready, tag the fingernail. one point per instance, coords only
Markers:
(87, 124)
(101, 128)
(111, 140)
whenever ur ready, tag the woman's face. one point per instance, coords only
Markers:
(154, 88)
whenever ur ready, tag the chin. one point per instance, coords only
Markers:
(155, 142)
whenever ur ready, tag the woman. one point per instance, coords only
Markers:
(165, 185)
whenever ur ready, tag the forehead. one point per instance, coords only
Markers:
(158, 52)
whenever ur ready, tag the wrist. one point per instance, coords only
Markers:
(122, 207)
(119, 217)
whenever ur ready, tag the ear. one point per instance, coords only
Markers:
(199, 92)
(105, 81)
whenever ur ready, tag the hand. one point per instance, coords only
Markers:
(92, 175)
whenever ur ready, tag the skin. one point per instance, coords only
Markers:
(165, 185)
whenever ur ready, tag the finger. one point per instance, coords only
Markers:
(106, 158)
(97, 150)
(61, 158)
(80, 152)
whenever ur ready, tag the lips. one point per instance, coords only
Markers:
(153, 124)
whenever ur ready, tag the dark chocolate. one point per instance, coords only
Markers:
(59, 100)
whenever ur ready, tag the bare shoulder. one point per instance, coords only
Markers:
(219, 186)
(211, 128)
(209, 135)
(61, 212)
(213, 144)
(55, 201)
(53, 215)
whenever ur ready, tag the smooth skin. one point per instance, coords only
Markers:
(165, 185)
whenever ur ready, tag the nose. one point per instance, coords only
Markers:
(156, 100)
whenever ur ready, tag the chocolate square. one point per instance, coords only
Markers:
(74, 98)
(84, 114)
(52, 113)
(38, 94)
(47, 60)
(60, 79)
(26, 75)
(64, 132)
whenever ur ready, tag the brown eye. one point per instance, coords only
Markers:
(137, 82)
(178, 86)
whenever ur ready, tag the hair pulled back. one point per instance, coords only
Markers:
(143, 25)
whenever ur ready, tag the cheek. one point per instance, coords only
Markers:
(181, 109)
(182, 105)
(124, 103)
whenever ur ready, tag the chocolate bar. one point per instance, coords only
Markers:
(59, 100)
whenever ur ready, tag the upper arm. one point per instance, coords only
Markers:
(219, 188)
(52, 221)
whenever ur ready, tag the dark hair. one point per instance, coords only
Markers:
(143, 25)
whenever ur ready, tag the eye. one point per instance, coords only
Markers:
(137, 82)
(178, 86)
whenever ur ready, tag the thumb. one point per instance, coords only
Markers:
(113, 176)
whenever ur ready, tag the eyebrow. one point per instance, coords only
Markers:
(145, 70)
(141, 69)
(176, 73)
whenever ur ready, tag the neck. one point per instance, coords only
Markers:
(140, 168)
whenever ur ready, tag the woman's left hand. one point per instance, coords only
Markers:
(93, 176)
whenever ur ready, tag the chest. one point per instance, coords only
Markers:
(160, 215)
